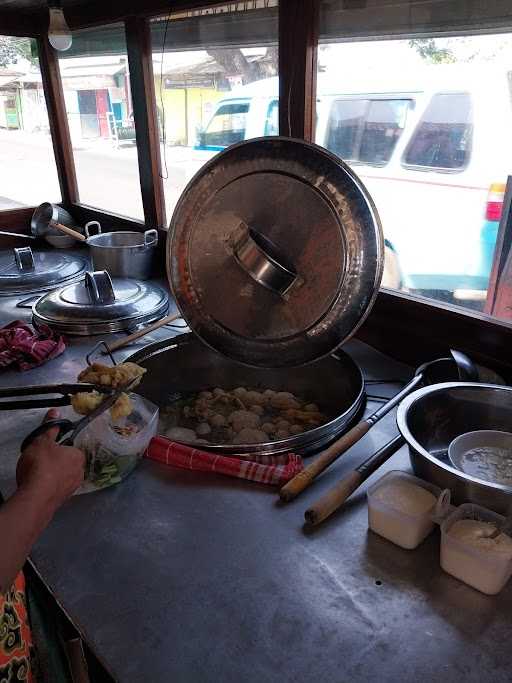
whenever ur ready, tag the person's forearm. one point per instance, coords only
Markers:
(22, 518)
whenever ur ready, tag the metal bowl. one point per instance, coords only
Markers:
(184, 365)
(430, 418)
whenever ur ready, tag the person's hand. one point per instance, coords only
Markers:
(48, 470)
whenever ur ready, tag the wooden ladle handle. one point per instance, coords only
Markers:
(69, 231)
(124, 341)
(334, 498)
(303, 479)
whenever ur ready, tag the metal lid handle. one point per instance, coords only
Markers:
(24, 259)
(99, 287)
(96, 224)
(151, 238)
(261, 260)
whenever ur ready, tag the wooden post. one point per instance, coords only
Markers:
(298, 40)
(54, 95)
(140, 61)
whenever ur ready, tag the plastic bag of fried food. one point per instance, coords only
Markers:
(110, 377)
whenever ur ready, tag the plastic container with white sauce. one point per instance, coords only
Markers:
(401, 507)
(467, 553)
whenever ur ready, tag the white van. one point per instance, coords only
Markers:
(432, 146)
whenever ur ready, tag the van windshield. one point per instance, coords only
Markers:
(226, 127)
(366, 130)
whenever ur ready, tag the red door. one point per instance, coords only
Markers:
(102, 107)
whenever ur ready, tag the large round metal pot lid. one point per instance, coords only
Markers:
(275, 252)
(98, 305)
(23, 271)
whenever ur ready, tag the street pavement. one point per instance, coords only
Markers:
(108, 177)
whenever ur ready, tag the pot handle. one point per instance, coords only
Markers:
(262, 261)
(96, 224)
(151, 238)
(99, 287)
(24, 259)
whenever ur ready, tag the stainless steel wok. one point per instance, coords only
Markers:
(431, 418)
(185, 365)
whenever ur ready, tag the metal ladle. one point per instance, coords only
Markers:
(468, 371)
(42, 230)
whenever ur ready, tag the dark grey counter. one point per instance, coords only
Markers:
(184, 577)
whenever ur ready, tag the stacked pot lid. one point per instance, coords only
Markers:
(275, 252)
(99, 305)
(23, 271)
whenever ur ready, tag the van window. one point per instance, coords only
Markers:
(366, 130)
(227, 125)
(384, 124)
(345, 122)
(442, 138)
(272, 120)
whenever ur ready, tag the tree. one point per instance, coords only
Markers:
(235, 63)
(12, 50)
(431, 52)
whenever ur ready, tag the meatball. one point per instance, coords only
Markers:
(181, 434)
(217, 420)
(282, 424)
(296, 429)
(311, 408)
(254, 397)
(219, 392)
(240, 392)
(282, 434)
(207, 395)
(203, 429)
(249, 435)
(268, 393)
(284, 400)
(259, 410)
(268, 428)
(241, 419)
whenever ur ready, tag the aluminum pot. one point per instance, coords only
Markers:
(430, 418)
(124, 254)
(40, 225)
(184, 366)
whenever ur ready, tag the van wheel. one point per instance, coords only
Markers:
(392, 276)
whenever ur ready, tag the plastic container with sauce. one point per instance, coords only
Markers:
(466, 553)
(400, 508)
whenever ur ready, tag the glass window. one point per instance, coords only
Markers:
(345, 123)
(226, 127)
(426, 123)
(29, 173)
(216, 84)
(385, 121)
(272, 122)
(96, 83)
(365, 130)
(443, 136)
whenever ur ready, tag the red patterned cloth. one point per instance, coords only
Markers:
(266, 469)
(20, 345)
(16, 649)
